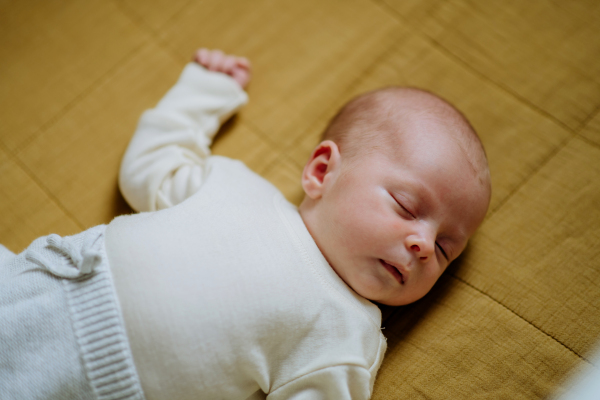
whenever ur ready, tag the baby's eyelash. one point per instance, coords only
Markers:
(404, 208)
(442, 250)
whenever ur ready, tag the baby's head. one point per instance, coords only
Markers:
(395, 190)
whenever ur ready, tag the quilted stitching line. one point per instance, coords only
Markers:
(521, 317)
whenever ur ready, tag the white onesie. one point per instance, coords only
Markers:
(224, 293)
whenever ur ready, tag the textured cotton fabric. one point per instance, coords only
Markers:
(61, 332)
(225, 294)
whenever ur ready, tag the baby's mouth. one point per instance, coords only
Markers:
(394, 271)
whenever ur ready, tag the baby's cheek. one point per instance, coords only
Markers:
(348, 215)
(371, 226)
(371, 285)
(394, 227)
(342, 228)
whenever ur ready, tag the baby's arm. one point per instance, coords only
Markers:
(164, 163)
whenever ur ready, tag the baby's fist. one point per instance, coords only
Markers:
(215, 60)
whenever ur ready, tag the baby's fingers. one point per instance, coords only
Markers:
(243, 62)
(210, 59)
(241, 76)
(228, 64)
(202, 56)
(215, 61)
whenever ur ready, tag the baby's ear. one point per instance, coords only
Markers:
(323, 161)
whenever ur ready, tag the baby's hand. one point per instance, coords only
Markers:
(215, 60)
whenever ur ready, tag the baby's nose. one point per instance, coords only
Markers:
(422, 250)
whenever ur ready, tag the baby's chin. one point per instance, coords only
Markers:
(393, 300)
(403, 298)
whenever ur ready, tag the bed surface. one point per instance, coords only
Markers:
(514, 317)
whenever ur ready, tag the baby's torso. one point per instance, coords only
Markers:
(227, 292)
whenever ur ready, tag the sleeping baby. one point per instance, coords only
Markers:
(220, 288)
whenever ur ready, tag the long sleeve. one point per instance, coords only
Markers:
(164, 163)
(344, 382)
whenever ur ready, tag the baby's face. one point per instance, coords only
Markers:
(391, 220)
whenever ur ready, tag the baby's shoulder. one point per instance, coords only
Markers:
(223, 171)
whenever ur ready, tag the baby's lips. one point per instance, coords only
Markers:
(399, 268)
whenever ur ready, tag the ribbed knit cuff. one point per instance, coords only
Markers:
(100, 331)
